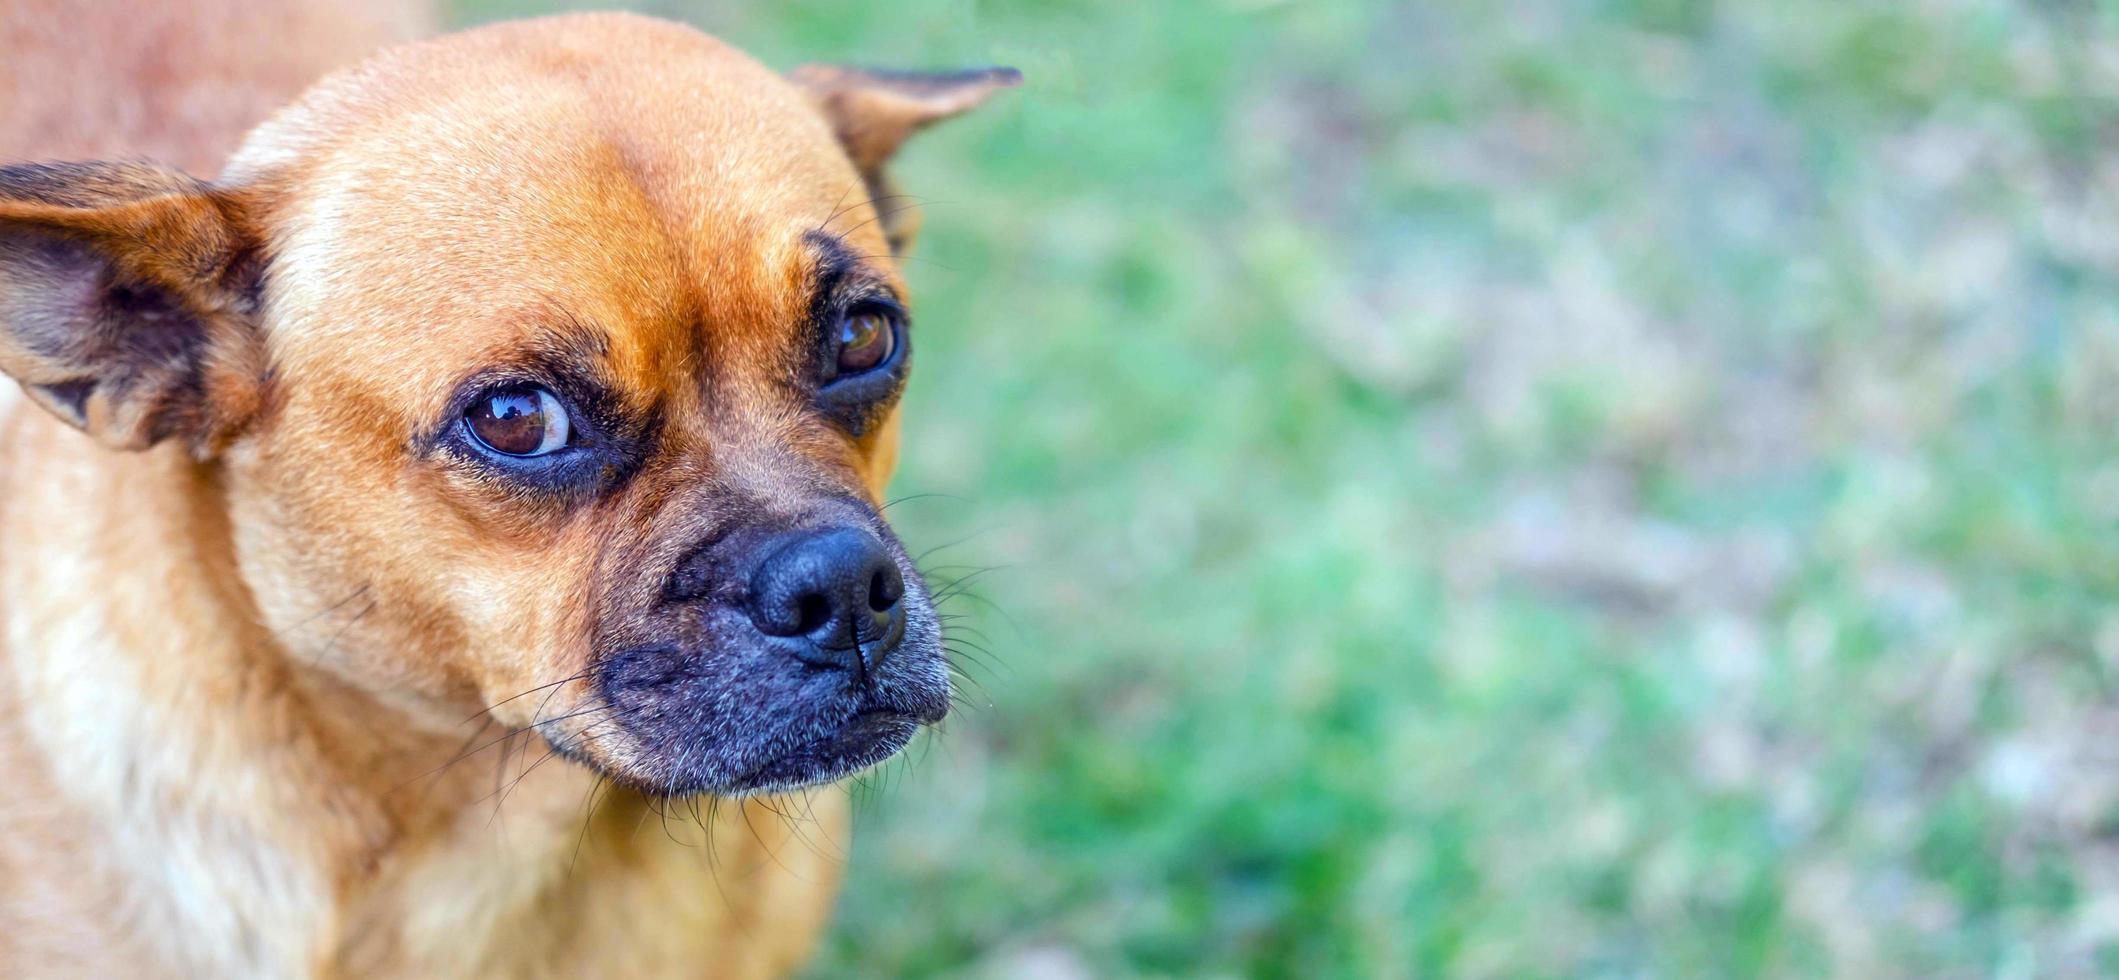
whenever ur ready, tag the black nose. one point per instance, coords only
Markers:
(838, 589)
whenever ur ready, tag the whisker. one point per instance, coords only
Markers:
(916, 496)
(513, 734)
(588, 815)
(540, 687)
(321, 613)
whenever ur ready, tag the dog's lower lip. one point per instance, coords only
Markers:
(868, 737)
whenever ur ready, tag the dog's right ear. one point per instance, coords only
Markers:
(128, 302)
(873, 111)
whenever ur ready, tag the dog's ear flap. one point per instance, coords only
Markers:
(874, 111)
(128, 302)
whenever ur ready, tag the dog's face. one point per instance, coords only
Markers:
(552, 367)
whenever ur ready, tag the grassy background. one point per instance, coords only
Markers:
(1581, 487)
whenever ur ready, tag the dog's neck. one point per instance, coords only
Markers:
(226, 786)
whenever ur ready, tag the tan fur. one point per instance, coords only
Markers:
(233, 689)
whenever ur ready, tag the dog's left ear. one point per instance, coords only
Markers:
(874, 111)
(128, 302)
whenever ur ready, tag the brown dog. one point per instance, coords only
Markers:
(542, 375)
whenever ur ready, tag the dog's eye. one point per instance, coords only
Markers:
(519, 421)
(867, 337)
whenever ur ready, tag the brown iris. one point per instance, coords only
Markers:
(519, 421)
(866, 339)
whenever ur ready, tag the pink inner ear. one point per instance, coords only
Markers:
(77, 288)
(120, 359)
(49, 297)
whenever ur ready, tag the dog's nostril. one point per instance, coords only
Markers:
(885, 588)
(812, 613)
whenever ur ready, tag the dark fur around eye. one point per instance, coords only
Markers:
(845, 287)
(857, 399)
(604, 447)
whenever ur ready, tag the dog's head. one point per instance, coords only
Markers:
(551, 366)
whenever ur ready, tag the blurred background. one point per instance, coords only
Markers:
(1582, 487)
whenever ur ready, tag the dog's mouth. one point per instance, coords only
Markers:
(869, 736)
(866, 739)
(735, 721)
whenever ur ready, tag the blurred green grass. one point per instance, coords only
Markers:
(1571, 488)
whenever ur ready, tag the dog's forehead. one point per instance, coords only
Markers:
(462, 198)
